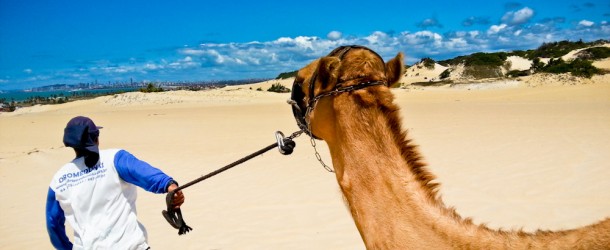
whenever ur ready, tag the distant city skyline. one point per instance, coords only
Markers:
(68, 41)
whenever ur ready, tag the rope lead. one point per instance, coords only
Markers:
(173, 215)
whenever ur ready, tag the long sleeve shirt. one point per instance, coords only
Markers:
(99, 202)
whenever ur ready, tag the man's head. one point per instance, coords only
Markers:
(82, 135)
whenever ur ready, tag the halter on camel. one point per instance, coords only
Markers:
(297, 99)
(301, 111)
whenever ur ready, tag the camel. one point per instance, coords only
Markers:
(345, 99)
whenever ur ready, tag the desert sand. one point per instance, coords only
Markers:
(511, 156)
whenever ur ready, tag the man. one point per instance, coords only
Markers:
(96, 193)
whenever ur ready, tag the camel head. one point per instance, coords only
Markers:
(348, 70)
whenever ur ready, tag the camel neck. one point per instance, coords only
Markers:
(390, 194)
(386, 199)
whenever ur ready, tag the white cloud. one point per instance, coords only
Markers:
(151, 67)
(424, 36)
(377, 37)
(27, 71)
(454, 43)
(518, 17)
(518, 32)
(262, 59)
(496, 28)
(192, 52)
(585, 23)
(334, 35)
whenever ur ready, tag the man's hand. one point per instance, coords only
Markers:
(178, 198)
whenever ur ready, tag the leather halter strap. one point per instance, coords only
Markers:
(339, 52)
(301, 112)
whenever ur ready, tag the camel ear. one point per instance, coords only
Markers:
(328, 69)
(394, 69)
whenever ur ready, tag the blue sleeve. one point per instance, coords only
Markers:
(55, 223)
(140, 173)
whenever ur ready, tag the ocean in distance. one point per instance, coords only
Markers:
(19, 95)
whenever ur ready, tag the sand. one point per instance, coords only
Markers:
(420, 73)
(512, 157)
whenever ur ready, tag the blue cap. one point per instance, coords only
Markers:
(81, 134)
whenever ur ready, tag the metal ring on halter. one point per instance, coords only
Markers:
(284, 145)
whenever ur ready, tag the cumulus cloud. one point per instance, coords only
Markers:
(585, 23)
(334, 35)
(518, 32)
(266, 59)
(192, 52)
(494, 29)
(518, 17)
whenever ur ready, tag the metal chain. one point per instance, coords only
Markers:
(318, 156)
(313, 142)
(295, 135)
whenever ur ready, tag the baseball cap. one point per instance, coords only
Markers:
(81, 133)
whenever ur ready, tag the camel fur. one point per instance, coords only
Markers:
(390, 192)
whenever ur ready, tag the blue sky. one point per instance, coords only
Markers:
(46, 42)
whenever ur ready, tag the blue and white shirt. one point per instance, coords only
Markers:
(100, 202)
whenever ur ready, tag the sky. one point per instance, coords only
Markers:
(44, 42)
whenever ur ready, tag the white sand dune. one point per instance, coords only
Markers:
(513, 158)
(419, 73)
(519, 63)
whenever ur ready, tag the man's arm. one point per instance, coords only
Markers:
(55, 223)
(140, 173)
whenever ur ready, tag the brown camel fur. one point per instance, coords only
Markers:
(388, 189)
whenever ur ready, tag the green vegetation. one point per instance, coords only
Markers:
(537, 65)
(445, 74)
(286, 75)
(279, 88)
(559, 49)
(12, 105)
(151, 88)
(577, 67)
(479, 59)
(521, 53)
(517, 73)
(487, 65)
(594, 53)
(483, 71)
(428, 62)
(486, 59)
(34, 100)
(546, 50)
(556, 49)
(432, 84)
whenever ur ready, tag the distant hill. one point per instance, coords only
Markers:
(286, 75)
(577, 58)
